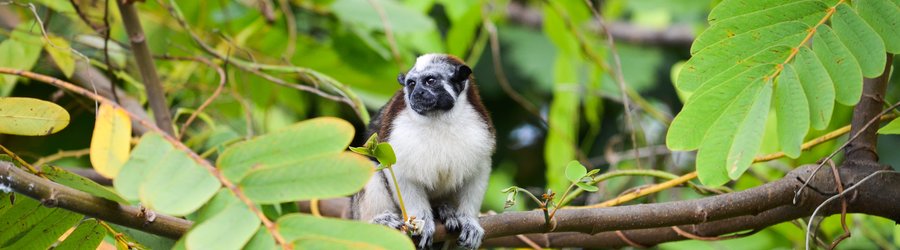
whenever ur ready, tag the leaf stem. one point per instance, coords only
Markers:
(399, 196)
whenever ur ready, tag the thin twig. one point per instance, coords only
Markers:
(620, 80)
(270, 226)
(689, 235)
(840, 187)
(19, 159)
(839, 195)
(61, 154)
(388, 32)
(223, 78)
(500, 74)
(291, 22)
(106, 33)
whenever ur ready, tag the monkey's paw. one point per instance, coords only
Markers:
(471, 234)
(389, 219)
(427, 235)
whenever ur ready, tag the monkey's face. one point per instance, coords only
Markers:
(434, 85)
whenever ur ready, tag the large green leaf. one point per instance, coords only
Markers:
(892, 128)
(840, 64)
(791, 110)
(884, 17)
(75, 181)
(308, 231)
(861, 39)
(262, 240)
(817, 87)
(735, 8)
(87, 235)
(165, 179)
(290, 145)
(734, 140)
(20, 52)
(229, 228)
(724, 54)
(689, 129)
(62, 55)
(807, 12)
(325, 176)
(30, 225)
(29, 116)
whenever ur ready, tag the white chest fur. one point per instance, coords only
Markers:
(441, 152)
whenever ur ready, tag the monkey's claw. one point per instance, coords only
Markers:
(389, 219)
(471, 234)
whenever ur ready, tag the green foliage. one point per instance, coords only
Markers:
(78, 182)
(751, 50)
(164, 178)
(29, 225)
(29, 116)
(87, 235)
(229, 217)
(324, 233)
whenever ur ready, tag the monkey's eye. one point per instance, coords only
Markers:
(411, 83)
(429, 81)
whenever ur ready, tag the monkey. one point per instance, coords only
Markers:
(443, 139)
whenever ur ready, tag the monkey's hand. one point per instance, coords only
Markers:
(389, 219)
(470, 231)
(427, 234)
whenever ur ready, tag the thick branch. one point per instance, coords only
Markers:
(869, 106)
(144, 60)
(52, 194)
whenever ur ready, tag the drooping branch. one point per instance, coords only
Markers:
(144, 59)
(51, 194)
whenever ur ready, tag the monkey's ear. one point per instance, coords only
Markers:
(462, 73)
(400, 79)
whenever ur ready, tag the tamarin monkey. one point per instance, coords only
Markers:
(443, 139)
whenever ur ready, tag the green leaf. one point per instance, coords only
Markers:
(262, 240)
(884, 17)
(792, 111)
(891, 128)
(696, 119)
(574, 171)
(230, 228)
(860, 39)
(735, 138)
(20, 52)
(563, 121)
(723, 55)
(292, 144)
(59, 50)
(78, 182)
(361, 151)
(817, 87)
(29, 225)
(807, 12)
(840, 64)
(32, 117)
(385, 154)
(328, 233)
(325, 176)
(586, 187)
(165, 179)
(401, 18)
(87, 235)
(735, 8)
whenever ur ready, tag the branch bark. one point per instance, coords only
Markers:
(144, 59)
(52, 194)
(870, 104)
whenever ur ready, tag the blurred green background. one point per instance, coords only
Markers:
(553, 53)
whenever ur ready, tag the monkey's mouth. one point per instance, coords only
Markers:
(428, 106)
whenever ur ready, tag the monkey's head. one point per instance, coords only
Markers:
(435, 83)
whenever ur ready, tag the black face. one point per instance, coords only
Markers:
(434, 89)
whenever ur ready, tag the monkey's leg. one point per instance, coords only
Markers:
(376, 204)
(417, 204)
(461, 215)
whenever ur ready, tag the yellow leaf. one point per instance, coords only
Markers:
(61, 53)
(110, 142)
(29, 116)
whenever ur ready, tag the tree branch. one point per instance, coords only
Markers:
(52, 194)
(870, 104)
(144, 59)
